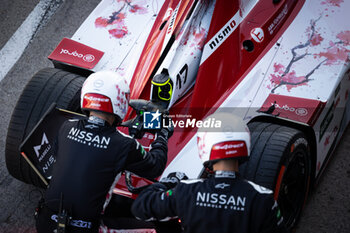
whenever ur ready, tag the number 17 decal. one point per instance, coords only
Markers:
(181, 77)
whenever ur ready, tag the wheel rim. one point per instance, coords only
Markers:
(294, 188)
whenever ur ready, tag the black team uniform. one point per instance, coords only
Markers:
(223, 203)
(90, 158)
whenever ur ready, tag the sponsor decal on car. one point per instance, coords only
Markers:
(168, 13)
(225, 32)
(293, 108)
(273, 26)
(172, 20)
(221, 36)
(75, 53)
(257, 34)
(87, 57)
(297, 111)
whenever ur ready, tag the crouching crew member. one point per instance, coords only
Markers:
(224, 202)
(91, 154)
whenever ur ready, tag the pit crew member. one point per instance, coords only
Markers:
(224, 202)
(91, 154)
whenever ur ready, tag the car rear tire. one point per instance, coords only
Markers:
(280, 161)
(46, 87)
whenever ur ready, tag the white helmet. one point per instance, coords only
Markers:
(230, 141)
(106, 91)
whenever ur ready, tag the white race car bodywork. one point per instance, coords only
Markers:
(309, 63)
(251, 93)
(122, 50)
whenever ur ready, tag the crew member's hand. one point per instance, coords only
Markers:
(173, 179)
(168, 129)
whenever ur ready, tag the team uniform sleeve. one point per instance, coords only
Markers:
(155, 203)
(268, 217)
(149, 164)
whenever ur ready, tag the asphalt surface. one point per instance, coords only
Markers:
(328, 207)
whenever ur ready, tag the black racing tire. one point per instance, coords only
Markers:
(46, 87)
(280, 161)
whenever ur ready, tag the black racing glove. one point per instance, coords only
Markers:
(173, 179)
(168, 129)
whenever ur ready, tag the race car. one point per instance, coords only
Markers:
(281, 65)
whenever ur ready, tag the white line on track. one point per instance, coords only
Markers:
(16, 45)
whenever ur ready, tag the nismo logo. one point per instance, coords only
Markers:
(225, 32)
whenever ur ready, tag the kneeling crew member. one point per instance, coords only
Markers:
(92, 153)
(224, 202)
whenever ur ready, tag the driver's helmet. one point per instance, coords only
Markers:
(106, 91)
(229, 141)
